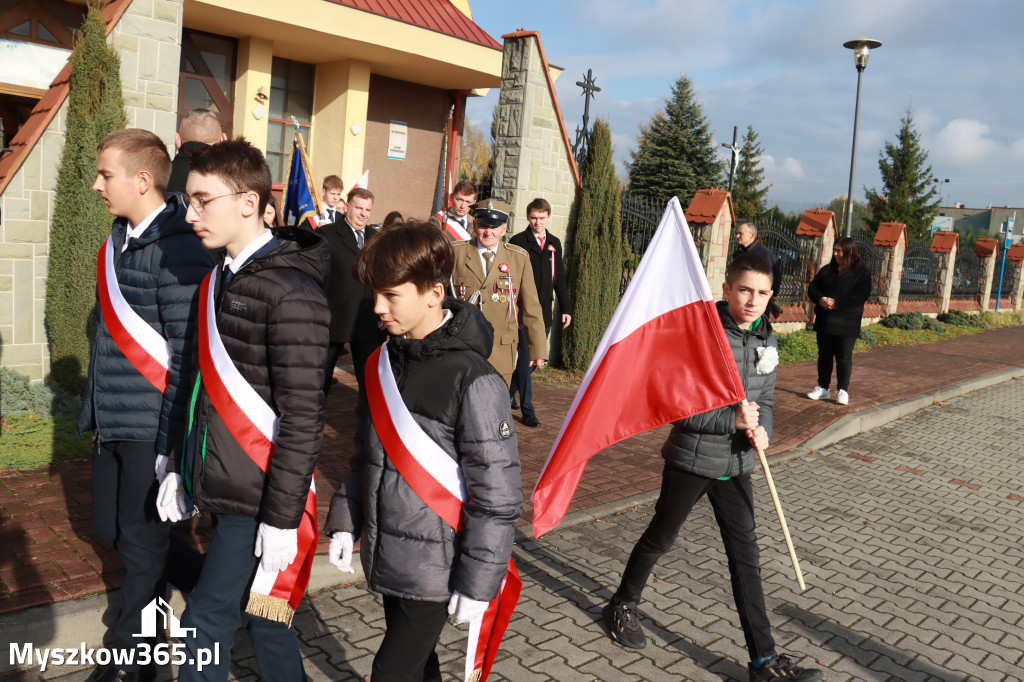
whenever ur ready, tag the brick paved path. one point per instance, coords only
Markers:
(51, 554)
(911, 539)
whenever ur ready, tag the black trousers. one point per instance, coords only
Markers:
(733, 504)
(124, 514)
(412, 629)
(838, 349)
(522, 377)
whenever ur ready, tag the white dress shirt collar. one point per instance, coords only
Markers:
(253, 246)
(136, 232)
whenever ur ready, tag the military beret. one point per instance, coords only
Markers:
(490, 212)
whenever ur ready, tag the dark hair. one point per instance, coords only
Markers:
(141, 150)
(464, 187)
(272, 201)
(538, 204)
(238, 164)
(851, 258)
(360, 192)
(392, 218)
(747, 262)
(414, 251)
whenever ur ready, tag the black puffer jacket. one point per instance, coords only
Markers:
(159, 275)
(461, 402)
(851, 290)
(273, 319)
(708, 444)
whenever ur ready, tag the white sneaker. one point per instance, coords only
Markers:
(843, 398)
(819, 393)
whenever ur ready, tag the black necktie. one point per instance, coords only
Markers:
(330, 214)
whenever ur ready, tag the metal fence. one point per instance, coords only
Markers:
(920, 272)
(794, 256)
(967, 276)
(872, 258)
(640, 217)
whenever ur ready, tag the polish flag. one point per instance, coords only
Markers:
(663, 357)
(364, 180)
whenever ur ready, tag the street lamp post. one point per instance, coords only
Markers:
(861, 49)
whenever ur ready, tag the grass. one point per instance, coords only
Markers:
(31, 441)
(802, 345)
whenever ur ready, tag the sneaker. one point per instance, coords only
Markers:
(819, 393)
(624, 624)
(782, 667)
(843, 398)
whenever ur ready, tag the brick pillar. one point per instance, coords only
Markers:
(817, 232)
(946, 245)
(1016, 282)
(985, 250)
(710, 217)
(891, 239)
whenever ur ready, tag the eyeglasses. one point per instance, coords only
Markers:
(198, 204)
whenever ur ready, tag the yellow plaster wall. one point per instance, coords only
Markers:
(255, 60)
(340, 100)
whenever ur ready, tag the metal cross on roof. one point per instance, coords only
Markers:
(589, 87)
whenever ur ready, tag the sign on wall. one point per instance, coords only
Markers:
(398, 138)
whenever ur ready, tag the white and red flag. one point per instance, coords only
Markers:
(663, 357)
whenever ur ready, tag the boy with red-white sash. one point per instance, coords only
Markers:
(256, 418)
(148, 275)
(435, 488)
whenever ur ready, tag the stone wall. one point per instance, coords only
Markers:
(531, 157)
(148, 37)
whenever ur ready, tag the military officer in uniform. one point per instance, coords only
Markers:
(499, 278)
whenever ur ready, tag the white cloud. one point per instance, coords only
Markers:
(965, 141)
(789, 169)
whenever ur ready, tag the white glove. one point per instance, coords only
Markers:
(276, 546)
(462, 609)
(170, 499)
(161, 468)
(339, 554)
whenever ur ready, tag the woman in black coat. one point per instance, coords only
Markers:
(839, 292)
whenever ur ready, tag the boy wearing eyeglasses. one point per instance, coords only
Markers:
(256, 417)
(148, 275)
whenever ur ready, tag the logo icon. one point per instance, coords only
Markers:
(173, 626)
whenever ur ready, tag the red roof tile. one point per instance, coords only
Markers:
(985, 247)
(435, 15)
(943, 242)
(707, 205)
(889, 234)
(47, 107)
(1016, 253)
(816, 221)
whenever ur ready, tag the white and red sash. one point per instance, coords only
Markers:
(253, 424)
(452, 227)
(145, 348)
(437, 479)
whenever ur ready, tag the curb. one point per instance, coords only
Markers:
(71, 623)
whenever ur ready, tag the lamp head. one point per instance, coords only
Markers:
(861, 50)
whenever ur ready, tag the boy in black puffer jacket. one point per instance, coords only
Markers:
(256, 418)
(458, 405)
(713, 454)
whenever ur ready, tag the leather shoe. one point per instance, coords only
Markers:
(530, 420)
(514, 403)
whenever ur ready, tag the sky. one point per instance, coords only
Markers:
(781, 67)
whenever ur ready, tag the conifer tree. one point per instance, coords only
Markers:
(594, 253)
(908, 193)
(80, 222)
(676, 155)
(747, 194)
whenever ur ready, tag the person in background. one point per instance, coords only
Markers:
(392, 218)
(456, 220)
(746, 242)
(839, 291)
(334, 207)
(198, 128)
(272, 215)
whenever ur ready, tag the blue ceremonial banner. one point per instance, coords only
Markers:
(301, 202)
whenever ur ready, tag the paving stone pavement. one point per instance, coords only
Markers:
(910, 537)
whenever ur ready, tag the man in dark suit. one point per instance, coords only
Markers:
(352, 318)
(198, 128)
(549, 273)
(746, 242)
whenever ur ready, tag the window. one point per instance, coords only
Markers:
(291, 94)
(207, 76)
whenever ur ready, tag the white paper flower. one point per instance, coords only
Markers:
(767, 359)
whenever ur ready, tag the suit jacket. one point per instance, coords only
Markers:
(469, 272)
(352, 316)
(540, 260)
(179, 167)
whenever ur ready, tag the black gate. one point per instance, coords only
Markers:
(872, 258)
(967, 276)
(920, 272)
(640, 218)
